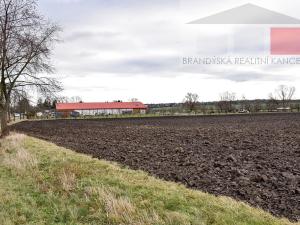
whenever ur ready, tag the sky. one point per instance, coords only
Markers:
(124, 49)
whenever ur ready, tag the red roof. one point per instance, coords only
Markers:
(100, 105)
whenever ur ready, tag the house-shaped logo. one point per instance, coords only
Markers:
(283, 40)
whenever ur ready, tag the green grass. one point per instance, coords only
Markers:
(41, 183)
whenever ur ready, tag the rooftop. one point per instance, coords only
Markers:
(100, 105)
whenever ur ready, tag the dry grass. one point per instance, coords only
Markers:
(22, 160)
(177, 218)
(67, 180)
(118, 209)
(14, 154)
(12, 142)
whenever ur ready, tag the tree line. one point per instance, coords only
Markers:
(280, 99)
(22, 105)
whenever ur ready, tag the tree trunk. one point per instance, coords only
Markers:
(4, 127)
(9, 113)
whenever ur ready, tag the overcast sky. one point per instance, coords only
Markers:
(122, 49)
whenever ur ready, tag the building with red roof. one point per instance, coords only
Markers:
(102, 108)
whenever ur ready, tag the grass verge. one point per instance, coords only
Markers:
(41, 183)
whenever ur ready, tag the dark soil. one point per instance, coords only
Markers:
(253, 158)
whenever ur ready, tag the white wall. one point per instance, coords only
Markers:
(93, 112)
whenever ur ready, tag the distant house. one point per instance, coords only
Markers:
(101, 108)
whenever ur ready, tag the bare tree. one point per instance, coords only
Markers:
(297, 106)
(285, 94)
(245, 104)
(226, 101)
(18, 99)
(75, 99)
(133, 100)
(63, 99)
(26, 41)
(272, 103)
(191, 100)
(256, 106)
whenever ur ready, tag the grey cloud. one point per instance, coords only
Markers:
(237, 74)
(244, 76)
(85, 35)
(131, 67)
(92, 87)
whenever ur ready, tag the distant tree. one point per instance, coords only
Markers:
(54, 104)
(39, 104)
(26, 41)
(47, 103)
(63, 99)
(256, 106)
(190, 101)
(211, 109)
(245, 105)
(24, 105)
(66, 99)
(133, 100)
(272, 103)
(295, 106)
(75, 99)
(19, 102)
(226, 102)
(204, 109)
(298, 107)
(285, 94)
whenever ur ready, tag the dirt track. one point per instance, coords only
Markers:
(251, 158)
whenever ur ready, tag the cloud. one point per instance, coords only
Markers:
(88, 35)
(67, 1)
(113, 47)
(244, 76)
(123, 67)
